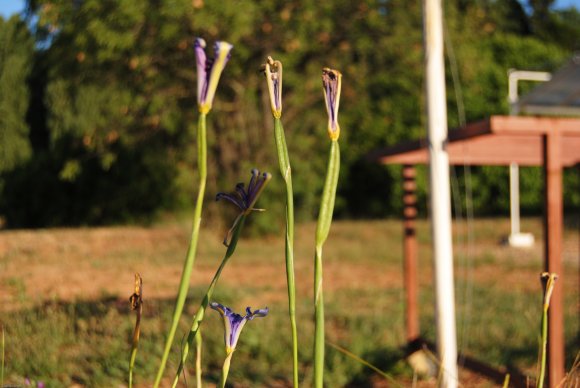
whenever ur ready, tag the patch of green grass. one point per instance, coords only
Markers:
(501, 327)
(88, 342)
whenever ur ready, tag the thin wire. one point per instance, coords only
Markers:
(467, 259)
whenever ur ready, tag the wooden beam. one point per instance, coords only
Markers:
(493, 150)
(490, 150)
(500, 140)
(553, 225)
(534, 125)
(410, 252)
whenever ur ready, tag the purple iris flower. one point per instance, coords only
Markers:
(234, 323)
(331, 83)
(209, 71)
(246, 199)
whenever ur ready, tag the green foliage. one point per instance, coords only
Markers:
(117, 83)
(16, 53)
(79, 191)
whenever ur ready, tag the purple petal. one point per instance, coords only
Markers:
(202, 69)
(256, 183)
(218, 307)
(257, 313)
(276, 83)
(230, 198)
(240, 190)
(255, 174)
(331, 86)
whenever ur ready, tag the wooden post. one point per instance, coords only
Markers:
(553, 225)
(410, 252)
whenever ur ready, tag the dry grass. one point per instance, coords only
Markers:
(363, 274)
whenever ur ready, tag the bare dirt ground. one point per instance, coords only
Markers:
(85, 263)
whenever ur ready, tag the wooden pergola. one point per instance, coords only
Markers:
(553, 143)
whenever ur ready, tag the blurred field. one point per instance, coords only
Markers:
(64, 301)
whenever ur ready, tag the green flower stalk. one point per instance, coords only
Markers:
(208, 74)
(548, 281)
(245, 201)
(136, 301)
(2, 345)
(198, 346)
(233, 325)
(273, 72)
(331, 82)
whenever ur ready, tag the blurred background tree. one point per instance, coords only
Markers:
(16, 53)
(110, 90)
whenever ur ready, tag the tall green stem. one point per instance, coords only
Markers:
(319, 320)
(199, 315)
(198, 346)
(322, 230)
(134, 345)
(226, 370)
(540, 382)
(548, 280)
(191, 252)
(2, 344)
(286, 171)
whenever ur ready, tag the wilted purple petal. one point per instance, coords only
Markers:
(331, 83)
(273, 72)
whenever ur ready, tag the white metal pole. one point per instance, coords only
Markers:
(516, 238)
(440, 197)
(515, 198)
(514, 76)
